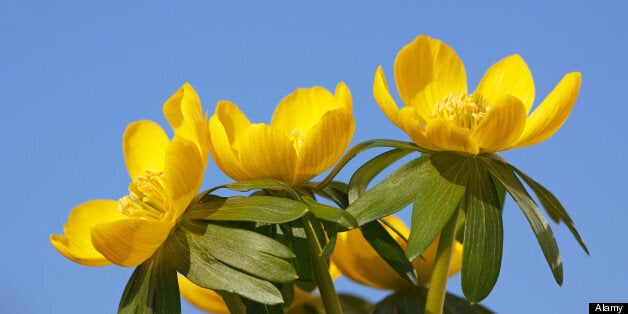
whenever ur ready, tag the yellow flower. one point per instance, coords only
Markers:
(356, 259)
(440, 115)
(210, 301)
(165, 176)
(309, 131)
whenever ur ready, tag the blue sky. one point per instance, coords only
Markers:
(73, 74)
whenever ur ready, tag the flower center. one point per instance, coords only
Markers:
(297, 139)
(147, 198)
(462, 110)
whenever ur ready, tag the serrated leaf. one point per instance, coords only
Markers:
(389, 250)
(367, 172)
(483, 235)
(553, 207)
(437, 191)
(506, 176)
(189, 250)
(152, 288)
(265, 209)
(328, 213)
(391, 194)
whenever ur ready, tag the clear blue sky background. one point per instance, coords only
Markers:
(73, 74)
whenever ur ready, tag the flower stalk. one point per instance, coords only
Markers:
(320, 266)
(438, 285)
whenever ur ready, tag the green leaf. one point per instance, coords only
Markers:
(390, 251)
(404, 301)
(268, 183)
(365, 174)
(153, 288)
(483, 235)
(506, 176)
(357, 149)
(229, 259)
(266, 209)
(413, 300)
(328, 213)
(553, 207)
(457, 305)
(392, 194)
(248, 251)
(334, 191)
(293, 236)
(253, 307)
(437, 192)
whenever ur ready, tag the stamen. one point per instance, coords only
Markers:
(147, 198)
(462, 110)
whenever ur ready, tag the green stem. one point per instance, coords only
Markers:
(233, 302)
(320, 267)
(440, 274)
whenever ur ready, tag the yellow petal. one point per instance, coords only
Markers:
(343, 96)
(409, 121)
(357, 260)
(384, 99)
(501, 126)
(552, 112)
(304, 108)
(144, 144)
(424, 264)
(75, 243)
(426, 70)
(324, 143)
(265, 152)
(224, 127)
(205, 299)
(449, 137)
(184, 113)
(508, 76)
(183, 173)
(129, 242)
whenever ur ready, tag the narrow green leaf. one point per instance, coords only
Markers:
(506, 176)
(392, 194)
(365, 174)
(331, 230)
(190, 249)
(152, 288)
(266, 209)
(293, 236)
(483, 235)
(437, 192)
(357, 149)
(334, 191)
(553, 207)
(328, 213)
(386, 246)
(268, 183)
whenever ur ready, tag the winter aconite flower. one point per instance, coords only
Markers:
(165, 176)
(309, 131)
(356, 259)
(441, 115)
